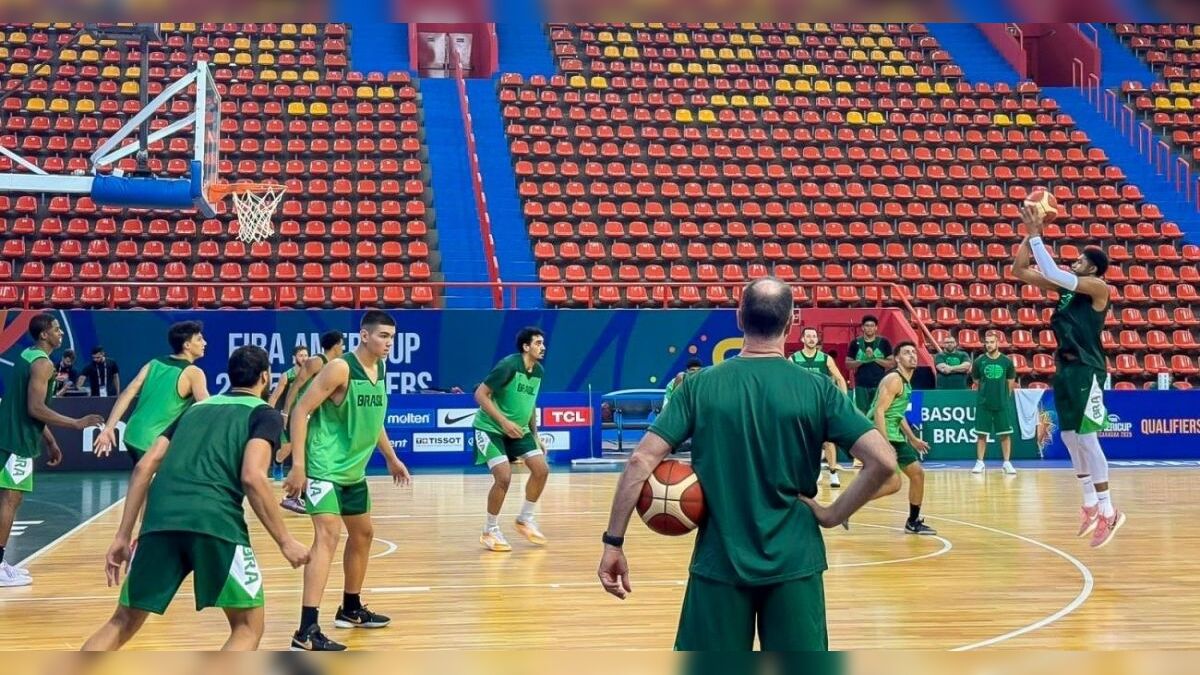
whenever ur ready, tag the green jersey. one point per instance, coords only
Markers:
(341, 437)
(817, 364)
(993, 376)
(672, 386)
(869, 374)
(953, 359)
(198, 487)
(1077, 325)
(515, 391)
(757, 426)
(20, 434)
(159, 403)
(895, 412)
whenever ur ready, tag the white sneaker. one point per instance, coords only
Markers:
(835, 481)
(1009, 469)
(978, 467)
(12, 576)
(493, 540)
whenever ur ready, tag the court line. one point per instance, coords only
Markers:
(1084, 593)
(391, 548)
(48, 547)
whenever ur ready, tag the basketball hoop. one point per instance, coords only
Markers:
(254, 204)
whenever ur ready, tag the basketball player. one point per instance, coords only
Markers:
(506, 430)
(202, 468)
(164, 388)
(1080, 367)
(25, 418)
(812, 358)
(299, 356)
(333, 345)
(756, 423)
(887, 410)
(694, 365)
(330, 451)
(996, 378)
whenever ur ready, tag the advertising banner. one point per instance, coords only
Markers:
(948, 425)
(1146, 425)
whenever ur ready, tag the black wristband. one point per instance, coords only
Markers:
(616, 542)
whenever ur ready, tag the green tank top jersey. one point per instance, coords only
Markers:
(307, 383)
(515, 392)
(20, 434)
(159, 403)
(818, 364)
(341, 437)
(1078, 326)
(895, 411)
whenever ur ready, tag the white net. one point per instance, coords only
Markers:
(254, 210)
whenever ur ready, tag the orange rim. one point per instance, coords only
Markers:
(219, 191)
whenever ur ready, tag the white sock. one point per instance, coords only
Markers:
(1106, 507)
(1089, 491)
(527, 510)
(492, 521)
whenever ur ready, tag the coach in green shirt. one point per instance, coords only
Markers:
(952, 364)
(756, 423)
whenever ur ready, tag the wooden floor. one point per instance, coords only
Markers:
(1005, 572)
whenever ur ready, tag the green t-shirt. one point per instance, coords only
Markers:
(515, 391)
(757, 425)
(198, 487)
(159, 403)
(341, 437)
(993, 376)
(20, 434)
(817, 364)
(1078, 328)
(895, 411)
(951, 380)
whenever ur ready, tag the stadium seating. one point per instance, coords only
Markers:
(348, 145)
(700, 153)
(1172, 106)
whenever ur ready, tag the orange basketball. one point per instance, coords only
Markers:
(672, 502)
(1041, 198)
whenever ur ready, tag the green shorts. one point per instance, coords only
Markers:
(16, 473)
(327, 497)
(1079, 397)
(863, 397)
(993, 423)
(492, 448)
(224, 574)
(789, 616)
(905, 454)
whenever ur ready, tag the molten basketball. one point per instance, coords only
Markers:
(672, 502)
(1041, 198)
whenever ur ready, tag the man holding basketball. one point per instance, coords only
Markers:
(757, 423)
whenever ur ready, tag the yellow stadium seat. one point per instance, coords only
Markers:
(739, 101)
(745, 54)
(133, 72)
(675, 68)
(737, 39)
(1177, 87)
(598, 82)
(707, 117)
(726, 54)
(1194, 87)
(577, 82)
(385, 92)
(166, 26)
(66, 55)
(821, 28)
(243, 58)
(1002, 120)
(684, 116)
(707, 53)
(718, 100)
(822, 87)
(804, 27)
(296, 109)
(694, 68)
(942, 89)
(110, 72)
(221, 58)
(86, 40)
(783, 85)
(681, 39)
(84, 106)
(287, 45)
(896, 56)
(886, 42)
(309, 75)
(364, 92)
(19, 68)
(1163, 103)
(187, 27)
(656, 25)
(855, 117)
(867, 42)
(843, 87)
(887, 70)
(631, 52)
(288, 29)
(604, 36)
(714, 69)
(878, 55)
(792, 40)
(711, 26)
(849, 42)
(809, 69)
(36, 104)
(803, 87)
(761, 101)
(268, 75)
(1025, 120)
(875, 29)
(876, 117)
(242, 44)
(308, 29)
(612, 52)
(1182, 103)
(757, 39)
(637, 26)
(266, 44)
(625, 37)
(60, 105)
(266, 59)
(129, 88)
(907, 71)
(318, 109)
(748, 25)
(791, 69)
(17, 38)
(289, 76)
(90, 56)
(1182, 43)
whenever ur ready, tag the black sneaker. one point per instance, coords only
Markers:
(359, 618)
(918, 527)
(314, 640)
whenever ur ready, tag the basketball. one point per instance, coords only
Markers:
(672, 502)
(1041, 198)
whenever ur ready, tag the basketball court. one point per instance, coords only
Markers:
(1004, 572)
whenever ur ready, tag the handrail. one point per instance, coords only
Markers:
(1020, 40)
(1095, 33)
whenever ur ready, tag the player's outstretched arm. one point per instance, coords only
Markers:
(40, 373)
(255, 464)
(334, 376)
(135, 500)
(108, 437)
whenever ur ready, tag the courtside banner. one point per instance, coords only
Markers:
(436, 430)
(1146, 425)
(948, 425)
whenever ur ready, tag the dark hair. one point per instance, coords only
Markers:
(333, 338)
(766, 308)
(97, 350)
(902, 345)
(40, 324)
(69, 354)
(695, 363)
(870, 318)
(526, 336)
(299, 348)
(808, 328)
(375, 318)
(179, 333)
(246, 365)
(1097, 257)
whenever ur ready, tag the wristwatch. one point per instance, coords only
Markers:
(616, 542)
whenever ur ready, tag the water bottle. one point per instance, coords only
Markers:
(1164, 381)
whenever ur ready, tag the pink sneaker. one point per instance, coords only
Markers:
(1106, 528)
(1088, 515)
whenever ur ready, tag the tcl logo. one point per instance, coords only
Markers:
(567, 417)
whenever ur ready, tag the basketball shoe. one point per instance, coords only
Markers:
(314, 640)
(1088, 515)
(528, 527)
(1106, 528)
(11, 577)
(359, 618)
(493, 540)
(918, 527)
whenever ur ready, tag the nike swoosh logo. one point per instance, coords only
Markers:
(447, 420)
